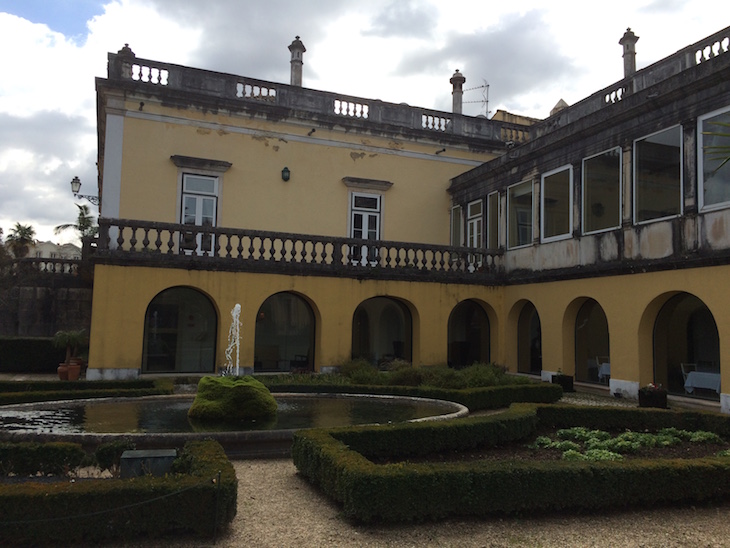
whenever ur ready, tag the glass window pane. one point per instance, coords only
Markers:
(456, 226)
(519, 214)
(366, 202)
(198, 183)
(556, 204)
(658, 175)
(715, 149)
(493, 221)
(602, 191)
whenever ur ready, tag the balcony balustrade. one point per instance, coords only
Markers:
(132, 242)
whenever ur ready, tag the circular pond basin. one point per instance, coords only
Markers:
(162, 421)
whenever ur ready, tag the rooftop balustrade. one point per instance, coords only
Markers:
(126, 67)
(131, 242)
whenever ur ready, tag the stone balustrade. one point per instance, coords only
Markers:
(303, 102)
(131, 242)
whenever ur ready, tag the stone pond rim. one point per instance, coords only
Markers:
(249, 444)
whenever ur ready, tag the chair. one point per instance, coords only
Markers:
(604, 368)
(686, 368)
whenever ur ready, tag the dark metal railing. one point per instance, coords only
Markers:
(126, 241)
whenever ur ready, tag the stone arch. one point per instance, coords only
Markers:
(586, 340)
(528, 337)
(382, 330)
(685, 332)
(180, 332)
(469, 334)
(285, 335)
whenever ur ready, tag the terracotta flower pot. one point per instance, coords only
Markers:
(62, 371)
(74, 370)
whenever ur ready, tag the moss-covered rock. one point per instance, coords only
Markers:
(232, 399)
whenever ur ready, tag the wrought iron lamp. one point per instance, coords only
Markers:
(76, 186)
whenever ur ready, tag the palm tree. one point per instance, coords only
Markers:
(21, 237)
(84, 224)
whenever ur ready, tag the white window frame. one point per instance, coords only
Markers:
(635, 182)
(365, 256)
(201, 249)
(475, 224)
(701, 159)
(531, 214)
(456, 235)
(493, 196)
(569, 233)
(584, 206)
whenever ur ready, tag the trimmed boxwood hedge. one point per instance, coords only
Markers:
(91, 511)
(12, 392)
(337, 460)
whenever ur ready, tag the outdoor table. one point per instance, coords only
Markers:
(699, 379)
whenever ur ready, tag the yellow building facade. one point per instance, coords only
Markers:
(349, 228)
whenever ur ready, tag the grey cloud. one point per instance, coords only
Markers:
(251, 38)
(515, 57)
(42, 192)
(404, 20)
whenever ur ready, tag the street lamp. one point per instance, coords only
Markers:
(76, 186)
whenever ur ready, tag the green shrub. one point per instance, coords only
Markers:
(405, 376)
(29, 458)
(443, 377)
(109, 455)
(348, 368)
(232, 399)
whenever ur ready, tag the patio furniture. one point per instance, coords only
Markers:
(686, 368)
(604, 368)
(698, 379)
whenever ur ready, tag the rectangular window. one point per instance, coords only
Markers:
(713, 142)
(474, 224)
(457, 231)
(602, 191)
(519, 214)
(365, 211)
(493, 221)
(557, 204)
(658, 175)
(199, 208)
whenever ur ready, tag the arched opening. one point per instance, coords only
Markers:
(284, 335)
(687, 348)
(382, 330)
(529, 341)
(592, 356)
(468, 335)
(180, 333)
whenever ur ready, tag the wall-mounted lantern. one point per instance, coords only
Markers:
(285, 174)
(76, 186)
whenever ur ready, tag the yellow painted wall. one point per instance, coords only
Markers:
(631, 304)
(313, 201)
(122, 294)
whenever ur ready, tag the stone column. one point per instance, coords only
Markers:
(297, 54)
(457, 80)
(628, 41)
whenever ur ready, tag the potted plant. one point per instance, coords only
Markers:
(72, 341)
(653, 395)
(565, 381)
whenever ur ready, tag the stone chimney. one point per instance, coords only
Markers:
(628, 41)
(457, 80)
(297, 54)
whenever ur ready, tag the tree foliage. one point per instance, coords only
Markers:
(84, 225)
(20, 238)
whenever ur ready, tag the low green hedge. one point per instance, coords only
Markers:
(92, 511)
(29, 355)
(475, 399)
(12, 392)
(47, 458)
(337, 461)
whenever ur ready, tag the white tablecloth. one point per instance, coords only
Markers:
(698, 379)
(604, 370)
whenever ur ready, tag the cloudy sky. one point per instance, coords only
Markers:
(531, 54)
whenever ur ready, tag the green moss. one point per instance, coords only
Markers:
(232, 399)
